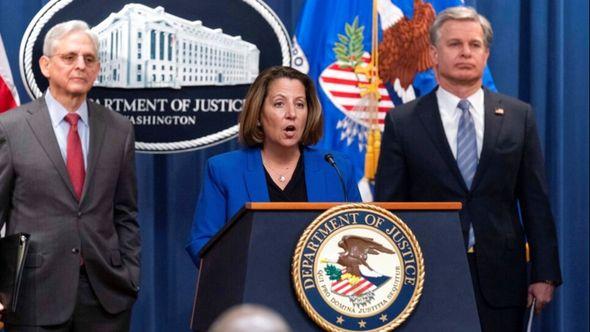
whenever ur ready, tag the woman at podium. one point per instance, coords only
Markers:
(281, 119)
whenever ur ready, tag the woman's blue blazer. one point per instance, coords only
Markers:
(235, 178)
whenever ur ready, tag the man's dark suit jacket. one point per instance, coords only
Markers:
(36, 197)
(416, 164)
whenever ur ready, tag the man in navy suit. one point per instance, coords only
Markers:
(464, 143)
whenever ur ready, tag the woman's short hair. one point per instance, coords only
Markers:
(251, 133)
(461, 13)
(59, 31)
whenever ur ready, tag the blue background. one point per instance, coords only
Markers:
(539, 54)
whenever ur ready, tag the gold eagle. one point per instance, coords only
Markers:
(404, 49)
(356, 251)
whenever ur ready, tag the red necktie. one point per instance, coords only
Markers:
(74, 156)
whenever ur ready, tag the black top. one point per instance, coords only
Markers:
(295, 191)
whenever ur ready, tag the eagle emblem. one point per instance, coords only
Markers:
(402, 53)
(349, 280)
(404, 49)
(358, 267)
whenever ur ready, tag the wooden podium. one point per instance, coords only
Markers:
(249, 261)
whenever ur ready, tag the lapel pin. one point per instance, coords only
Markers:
(499, 111)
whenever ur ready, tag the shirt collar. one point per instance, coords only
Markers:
(57, 112)
(448, 102)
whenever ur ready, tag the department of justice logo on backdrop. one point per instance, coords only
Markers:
(358, 267)
(178, 70)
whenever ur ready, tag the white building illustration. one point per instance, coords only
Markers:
(143, 47)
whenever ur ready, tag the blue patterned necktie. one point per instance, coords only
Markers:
(466, 144)
(467, 154)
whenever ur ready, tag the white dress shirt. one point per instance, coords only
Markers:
(61, 127)
(450, 114)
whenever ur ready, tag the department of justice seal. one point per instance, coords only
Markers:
(358, 267)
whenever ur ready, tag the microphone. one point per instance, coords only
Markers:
(330, 159)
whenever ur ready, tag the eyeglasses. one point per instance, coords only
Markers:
(72, 58)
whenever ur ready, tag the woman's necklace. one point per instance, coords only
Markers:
(282, 172)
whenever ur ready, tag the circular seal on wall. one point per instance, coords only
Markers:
(177, 69)
(358, 267)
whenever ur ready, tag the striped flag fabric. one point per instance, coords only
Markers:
(341, 85)
(8, 94)
(345, 288)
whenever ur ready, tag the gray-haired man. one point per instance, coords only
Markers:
(67, 177)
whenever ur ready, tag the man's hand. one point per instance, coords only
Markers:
(541, 291)
(1, 323)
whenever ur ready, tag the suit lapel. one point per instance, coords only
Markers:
(427, 109)
(254, 174)
(40, 124)
(492, 126)
(97, 131)
(315, 184)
